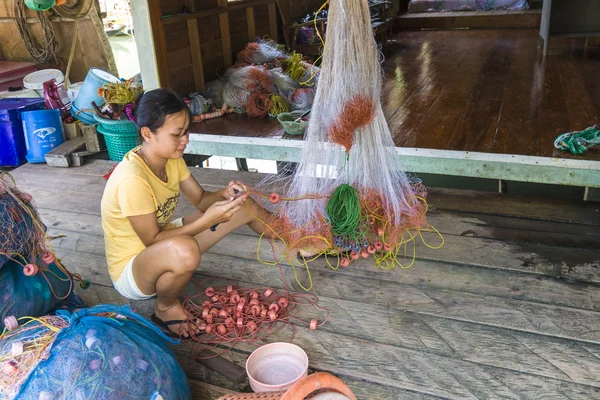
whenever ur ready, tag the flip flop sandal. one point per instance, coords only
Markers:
(164, 327)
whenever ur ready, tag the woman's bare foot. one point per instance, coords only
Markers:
(176, 312)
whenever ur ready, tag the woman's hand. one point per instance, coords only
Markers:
(222, 211)
(234, 189)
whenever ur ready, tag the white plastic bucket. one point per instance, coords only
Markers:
(35, 80)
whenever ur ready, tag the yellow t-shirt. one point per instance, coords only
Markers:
(132, 190)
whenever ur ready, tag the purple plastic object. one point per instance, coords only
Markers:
(12, 139)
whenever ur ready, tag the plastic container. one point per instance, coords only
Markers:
(95, 79)
(43, 132)
(73, 90)
(19, 93)
(35, 81)
(276, 366)
(291, 127)
(12, 139)
(118, 143)
(12, 73)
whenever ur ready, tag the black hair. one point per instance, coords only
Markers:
(153, 107)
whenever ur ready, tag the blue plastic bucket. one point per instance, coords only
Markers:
(94, 80)
(12, 139)
(43, 132)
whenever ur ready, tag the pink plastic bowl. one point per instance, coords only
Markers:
(276, 366)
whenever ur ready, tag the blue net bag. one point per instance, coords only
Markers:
(104, 352)
(21, 295)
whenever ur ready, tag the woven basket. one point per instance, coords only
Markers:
(116, 126)
(318, 381)
(118, 143)
(291, 127)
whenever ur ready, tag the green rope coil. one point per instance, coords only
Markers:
(343, 209)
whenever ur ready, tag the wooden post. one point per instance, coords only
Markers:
(194, 37)
(225, 36)
(273, 21)
(251, 24)
(160, 43)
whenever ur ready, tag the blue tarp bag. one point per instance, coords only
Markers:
(105, 352)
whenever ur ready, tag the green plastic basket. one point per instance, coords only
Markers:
(116, 126)
(291, 127)
(118, 143)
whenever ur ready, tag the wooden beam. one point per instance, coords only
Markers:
(173, 19)
(556, 171)
(251, 24)
(225, 35)
(273, 22)
(196, 54)
(160, 43)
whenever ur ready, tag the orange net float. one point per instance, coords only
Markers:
(30, 269)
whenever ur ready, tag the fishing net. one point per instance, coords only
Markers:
(20, 235)
(32, 280)
(105, 352)
(34, 295)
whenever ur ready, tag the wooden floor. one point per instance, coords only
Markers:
(509, 308)
(489, 91)
(482, 90)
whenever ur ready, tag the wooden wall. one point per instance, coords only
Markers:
(91, 48)
(292, 9)
(197, 46)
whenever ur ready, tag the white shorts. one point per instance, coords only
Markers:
(126, 285)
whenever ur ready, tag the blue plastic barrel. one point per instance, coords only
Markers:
(12, 139)
(95, 79)
(43, 132)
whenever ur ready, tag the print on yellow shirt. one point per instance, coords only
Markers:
(165, 211)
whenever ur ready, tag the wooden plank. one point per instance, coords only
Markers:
(426, 373)
(454, 98)
(72, 130)
(376, 287)
(205, 391)
(177, 40)
(179, 59)
(214, 11)
(160, 45)
(182, 79)
(553, 119)
(196, 54)
(478, 123)
(517, 129)
(469, 201)
(225, 36)
(61, 155)
(506, 229)
(273, 22)
(581, 109)
(468, 19)
(93, 140)
(428, 334)
(212, 49)
(237, 24)
(525, 257)
(251, 24)
(441, 275)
